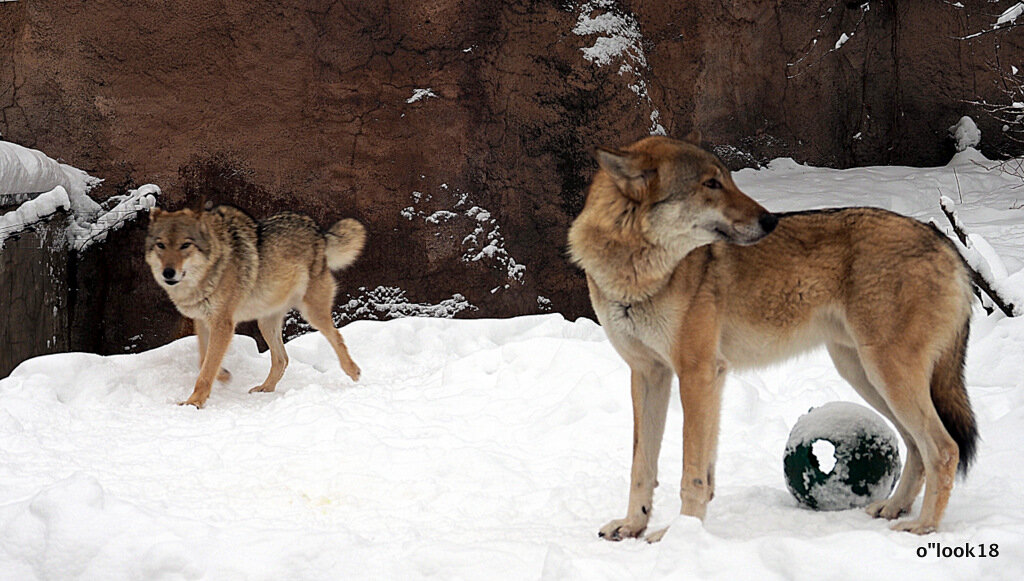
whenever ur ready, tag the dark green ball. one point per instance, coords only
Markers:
(866, 455)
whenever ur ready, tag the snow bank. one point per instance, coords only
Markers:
(471, 449)
(988, 198)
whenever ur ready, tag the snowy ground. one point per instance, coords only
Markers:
(481, 449)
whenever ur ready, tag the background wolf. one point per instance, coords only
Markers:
(220, 267)
(689, 275)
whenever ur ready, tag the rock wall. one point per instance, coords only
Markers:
(34, 292)
(459, 132)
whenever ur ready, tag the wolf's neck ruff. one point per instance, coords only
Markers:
(626, 266)
(627, 275)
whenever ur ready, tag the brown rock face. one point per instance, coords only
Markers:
(459, 132)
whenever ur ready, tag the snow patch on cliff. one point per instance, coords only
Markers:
(483, 240)
(420, 94)
(618, 40)
(25, 171)
(33, 211)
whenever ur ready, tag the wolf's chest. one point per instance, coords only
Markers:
(643, 322)
(191, 306)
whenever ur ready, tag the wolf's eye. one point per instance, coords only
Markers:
(713, 184)
(186, 245)
(160, 245)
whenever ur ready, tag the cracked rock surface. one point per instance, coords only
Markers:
(458, 131)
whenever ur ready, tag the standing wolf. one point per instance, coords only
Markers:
(685, 279)
(220, 267)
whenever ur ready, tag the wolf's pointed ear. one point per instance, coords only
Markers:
(694, 137)
(203, 225)
(628, 170)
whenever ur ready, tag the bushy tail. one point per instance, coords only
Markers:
(950, 398)
(345, 240)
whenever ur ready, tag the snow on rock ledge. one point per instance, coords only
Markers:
(24, 173)
(82, 235)
(33, 211)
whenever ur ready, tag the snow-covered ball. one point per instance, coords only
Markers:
(840, 456)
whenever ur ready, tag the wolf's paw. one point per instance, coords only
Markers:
(223, 375)
(656, 535)
(914, 526)
(353, 372)
(194, 401)
(262, 388)
(887, 509)
(625, 528)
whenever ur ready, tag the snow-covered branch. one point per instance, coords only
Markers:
(973, 249)
(1008, 19)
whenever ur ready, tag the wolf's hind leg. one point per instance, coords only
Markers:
(270, 328)
(316, 308)
(849, 366)
(904, 382)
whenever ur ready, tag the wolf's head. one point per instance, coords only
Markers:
(177, 248)
(681, 194)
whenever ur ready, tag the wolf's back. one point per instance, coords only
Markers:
(345, 240)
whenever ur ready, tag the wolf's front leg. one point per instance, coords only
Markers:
(700, 390)
(650, 384)
(203, 334)
(220, 330)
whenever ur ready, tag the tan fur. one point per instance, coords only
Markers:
(686, 280)
(220, 267)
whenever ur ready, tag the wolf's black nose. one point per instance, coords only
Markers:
(168, 273)
(768, 222)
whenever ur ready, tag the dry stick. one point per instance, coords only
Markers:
(979, 281)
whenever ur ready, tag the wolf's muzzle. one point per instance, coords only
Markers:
(169, 276)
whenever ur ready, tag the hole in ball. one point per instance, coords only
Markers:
(825, 453)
